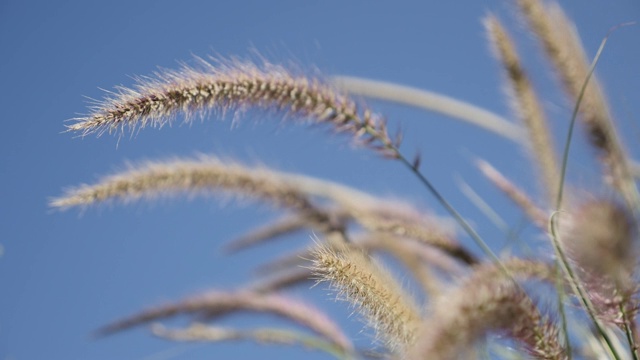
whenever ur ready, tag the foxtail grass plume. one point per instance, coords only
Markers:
(409, 253)
(599, 236)
(359, 280)
(422, 261)
(206, 174)
(235, 85)
(481, 306)
(288, 191)
(562, 45)
(526, 105)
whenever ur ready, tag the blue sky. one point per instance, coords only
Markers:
(63, 274)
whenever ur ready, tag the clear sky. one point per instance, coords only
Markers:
(63, 274)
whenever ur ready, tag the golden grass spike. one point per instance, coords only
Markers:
(409, 253)
(182, 175)
(526, 105)
(286, 268)
(289, 191)
(234, 85)
(564, 48)
(386, 307)
(206, 175)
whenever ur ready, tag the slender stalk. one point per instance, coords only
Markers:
(562, 258)
(577, 288)
(628, 331)
(449, 208)
(431, 101)
(563, 313)
(395, 153)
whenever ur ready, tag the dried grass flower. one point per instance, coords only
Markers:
(480, 306)
(233, 85)
(371, 289)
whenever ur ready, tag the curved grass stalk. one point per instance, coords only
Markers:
(629, 328)
(430, 101)
(217, 303)
(272, 230)
(282, 280)
(204, 333)
(517, 195)
(234, 86)
(450, 209)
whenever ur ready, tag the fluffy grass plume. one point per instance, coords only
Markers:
(360, 281)
(208, 174)
(480, 306)
(289, 191)
(233, 85)
(526, 105)
(599, 236)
